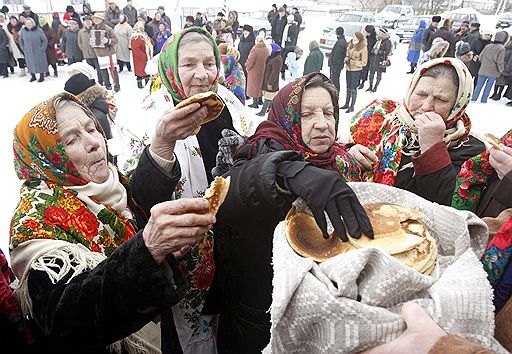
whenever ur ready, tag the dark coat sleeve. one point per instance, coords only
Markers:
(98, 307)
(338, 54)
(436, 170)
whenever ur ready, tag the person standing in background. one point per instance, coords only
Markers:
(14, 27)
(413, 54)
(298, 17)
(445, 32)
(315, 60)
(337, 58)
(33, 43)
(371, 38)
(189, 21)
(356, 59)
(233, 23)
(152, 26)
(106, 53)
(270, 84)
(292, 61)
(506, 76)
(4, 52)
(379, 61)
(27, 12)
(55, 22)
(84, 43)
(69, 43)
(289, 40)
(51, 37)
(70, 10)
(278, 26)
(255, 66)
(165, 18)
(130, 12)
(160, 37)
(112, 14)
(272, 14)
(86, 10)
(247, 41)
(216, 22)
(142, 52)
(123, 32)
(426, 43)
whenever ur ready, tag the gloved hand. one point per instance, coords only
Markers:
(324, 190)
(228, 146)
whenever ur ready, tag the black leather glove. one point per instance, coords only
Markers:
(324, 190)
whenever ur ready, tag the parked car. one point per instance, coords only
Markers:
(505, 21)
(406, 31)
(351, 16)
(465, 14)
(393, 15)
(328, 40)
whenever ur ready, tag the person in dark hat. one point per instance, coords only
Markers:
(74, 15)
(337, 58)
(189, 21)
(5, 11)
(216, 22)
(165, 18)
(371, 38)
(426, 43)
(445, 32)
(27, 12)
(247, 41)
(272, 14)
(297, 16)
(463, 32)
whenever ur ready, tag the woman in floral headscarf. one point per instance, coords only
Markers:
(93, 252)
(234, 77)
(142, 51)
(189, 63)
(419, 144)
(291, 155)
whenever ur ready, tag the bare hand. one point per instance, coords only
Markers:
(431, 128)
(501, 161)
(175, 225)
(176, 125)
(365, 157)
(421, 334)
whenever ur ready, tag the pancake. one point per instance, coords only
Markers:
(210, 100)
(420, 257)
(305, 238)
(216, 193)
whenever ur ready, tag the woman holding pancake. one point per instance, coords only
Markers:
(419, 144)
(292, 154)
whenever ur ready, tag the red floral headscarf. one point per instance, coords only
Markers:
(284, 126)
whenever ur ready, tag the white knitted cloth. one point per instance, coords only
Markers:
(352, 302)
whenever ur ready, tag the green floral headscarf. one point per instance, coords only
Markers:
(168, 63)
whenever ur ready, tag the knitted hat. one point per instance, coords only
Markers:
(78, 83)
(275, 47)
(462, 48)
(70, 8)
(369, 29)
(220, 14)
(383, 30)
(340, 31)
(475, 24)
(98, 15)
(436, 19)
(247, 28)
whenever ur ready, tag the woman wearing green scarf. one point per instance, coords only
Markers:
(189, 63)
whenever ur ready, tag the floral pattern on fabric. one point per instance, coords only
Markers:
(380, 125)
(284, 125)
(473, 178)
(234, 78)
(168, 63)
(47, 208)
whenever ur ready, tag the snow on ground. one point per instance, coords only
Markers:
(18, 96)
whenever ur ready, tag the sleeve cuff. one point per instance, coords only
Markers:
(432, 160)
(165, 164)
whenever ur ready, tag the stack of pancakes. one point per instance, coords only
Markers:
(397, 229)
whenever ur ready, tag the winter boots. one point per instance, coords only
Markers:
(353, 97)
(413, 68)
(347, 100)
(41, 78)
(32, 77)
(361, 85)
(498, 90)
(374, 89)
(264, 108)
(370, 88)
(255, 102)
(139, 82)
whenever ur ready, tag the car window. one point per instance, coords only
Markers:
(350, 29)
(391, 8)
(349, 18)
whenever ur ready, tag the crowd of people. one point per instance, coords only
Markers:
(132, 261)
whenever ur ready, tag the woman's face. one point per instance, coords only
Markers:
(158, 16)
(433, 95)
(13, 21)
(196, 67)
(161, 27)
(84, 145)
(29, 23)
(317, 121)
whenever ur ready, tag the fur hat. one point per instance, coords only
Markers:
(436, 19)
(382, 30)
(247, 28)
(189, 18)
(78, 83)
(462, 48)
(99, 15)
(359, 36)
(369, 29)
(70, 8)
(475, 24)
(290, 18)
(220, 14)
(340, 31)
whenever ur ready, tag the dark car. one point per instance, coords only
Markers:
(406, 31)
(505, 21)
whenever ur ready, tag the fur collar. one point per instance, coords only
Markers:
(91, 94)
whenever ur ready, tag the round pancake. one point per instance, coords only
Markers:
(419, 258)
(306, 239)
(216, 193)
(210, 100)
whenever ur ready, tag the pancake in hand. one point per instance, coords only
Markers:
(216, 193)
(210, 100)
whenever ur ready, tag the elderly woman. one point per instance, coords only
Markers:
(33, 43)
(142, 51)
(189, 63)
(420, 144)
(234, 78)
(88, 258)
(437, 50)
(291, 155)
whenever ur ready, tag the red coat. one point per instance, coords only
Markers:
(140, 57)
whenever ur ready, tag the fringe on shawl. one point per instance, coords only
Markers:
(75, 260)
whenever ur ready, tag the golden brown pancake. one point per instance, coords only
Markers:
(216, 193)
(210, 100)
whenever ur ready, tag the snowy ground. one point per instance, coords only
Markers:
(18, 96)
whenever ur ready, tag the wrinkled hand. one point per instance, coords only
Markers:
(364, 157)
(501, 161)
(175, 225)
(431, 128)
(421, 335)
(324, 190)
(228, 146)
(176, 125)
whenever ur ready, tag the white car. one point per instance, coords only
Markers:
(392, 15)
(328, 40)
(351, 16)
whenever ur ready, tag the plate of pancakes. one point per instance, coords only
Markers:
(398, 231)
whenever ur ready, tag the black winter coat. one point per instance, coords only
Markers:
(448, 36)
(380, 56)
(293, 36)
(242, 287)
(244, 47)
(277, 29)
(426, 43)
(121, 294)
(496, 197)
(4, 50)
(438, 186)
(338, 54)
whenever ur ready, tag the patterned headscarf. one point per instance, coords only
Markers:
(387, 127)
(49, 207)
(234, 78)
(168, 63)
(284, 126)
(473, 178)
